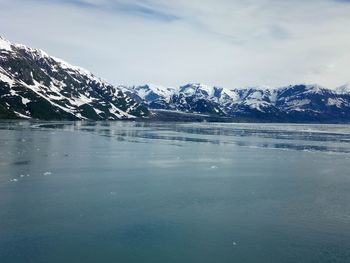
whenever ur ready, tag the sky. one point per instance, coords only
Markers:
(229, 43)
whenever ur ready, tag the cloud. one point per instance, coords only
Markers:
(223, 42)
(343, 1)
(136, 8)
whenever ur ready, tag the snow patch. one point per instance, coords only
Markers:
(21, 115)
(25, 101)
(5, 44)
(335, 102)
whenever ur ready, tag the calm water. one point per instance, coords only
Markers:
(152, 192)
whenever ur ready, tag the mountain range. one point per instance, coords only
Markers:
(38, 86)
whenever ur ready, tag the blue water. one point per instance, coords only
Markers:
(174, 192)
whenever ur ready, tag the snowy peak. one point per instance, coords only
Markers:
(150, 95)
(197, 89)
(344, 89)
(153, 92)
(214, 93)
(260, 88)
(316, 89)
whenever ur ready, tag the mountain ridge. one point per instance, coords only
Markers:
(295, 103)
(36, 85)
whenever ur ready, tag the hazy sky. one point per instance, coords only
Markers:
(231, 43)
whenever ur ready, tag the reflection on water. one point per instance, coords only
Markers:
(173, 192)
(324, 138)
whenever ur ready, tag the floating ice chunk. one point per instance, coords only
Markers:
(28, 175)
(234, 243)
(22, 175)
(213, 167)
(47, 173)
(14, 180)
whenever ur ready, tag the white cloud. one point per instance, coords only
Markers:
(223, 42)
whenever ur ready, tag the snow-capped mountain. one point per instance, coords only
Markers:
(297, 103)
(36, 85)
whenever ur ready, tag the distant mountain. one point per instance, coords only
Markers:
(36, 85)
(295, 103)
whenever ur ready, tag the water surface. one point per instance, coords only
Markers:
(174, 192)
